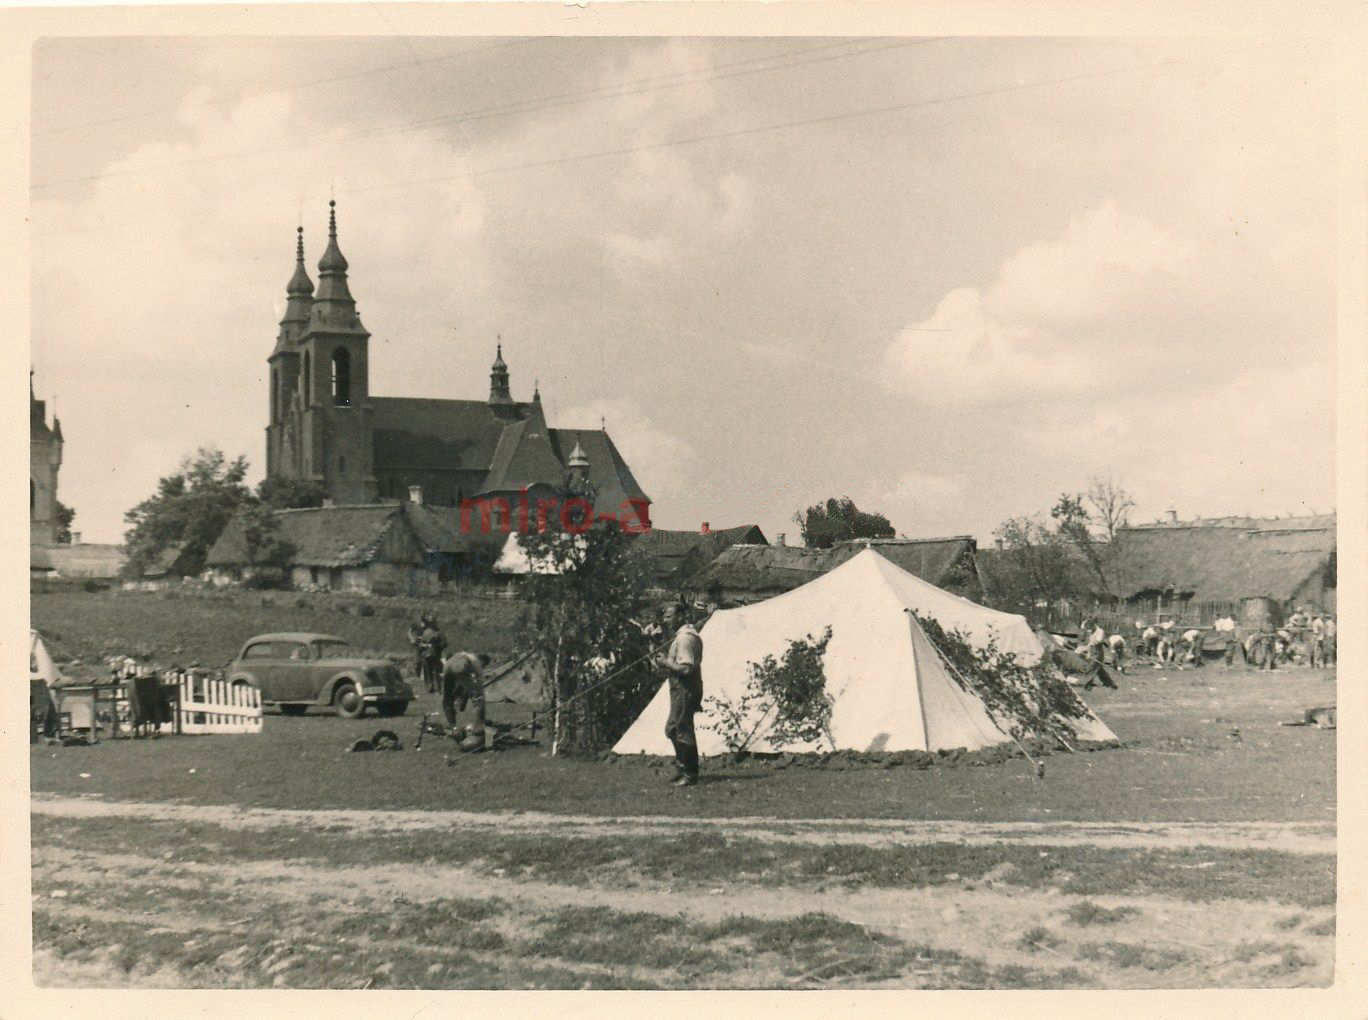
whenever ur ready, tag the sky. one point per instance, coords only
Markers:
(949, 278)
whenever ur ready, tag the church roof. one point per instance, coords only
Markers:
(525, 455)
(418, 434)
(415, 433)
(609, 476)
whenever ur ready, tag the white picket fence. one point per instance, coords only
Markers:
(216, 706)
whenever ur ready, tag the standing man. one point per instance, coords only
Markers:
(415, 640)
(433, 645)
(684, 665)
(463, 684)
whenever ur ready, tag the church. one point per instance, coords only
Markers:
(326, 426)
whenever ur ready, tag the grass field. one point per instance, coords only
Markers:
(208, 626)
(1202, 853)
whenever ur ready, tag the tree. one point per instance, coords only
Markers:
(261, 535)
(1075, 525)
(584, 618)
(189, 509)
(1111, 506)
(839, 520)
(290, 493)
(1037, 567)
(65, 517)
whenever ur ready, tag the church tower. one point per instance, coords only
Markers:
(320, 383)
(45, 459)
(282, 448)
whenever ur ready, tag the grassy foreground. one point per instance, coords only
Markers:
(1181, 764)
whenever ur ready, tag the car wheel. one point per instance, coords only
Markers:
(293, 709)
(347, 700)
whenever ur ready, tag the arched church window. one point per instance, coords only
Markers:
(341, 377)
(275, 393)
(341, 465)
(306, 381)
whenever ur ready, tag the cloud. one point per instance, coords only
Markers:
(921, 504)
(1051, 321)
(628, 254)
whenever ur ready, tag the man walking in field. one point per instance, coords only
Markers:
(463, 684)
(684, 665)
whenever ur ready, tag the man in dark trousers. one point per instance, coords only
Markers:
(433, 646)
(683, 663)
(462, 684)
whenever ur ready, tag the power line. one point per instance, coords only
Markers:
(526, 106)
(282, 88)
(655, 146)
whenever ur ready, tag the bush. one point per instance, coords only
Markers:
(789, 693)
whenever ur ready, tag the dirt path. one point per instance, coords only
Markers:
(985, 923)
(1290, 837)
(1141, 941)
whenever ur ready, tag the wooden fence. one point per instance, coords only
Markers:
(208, 705)
(199, 704)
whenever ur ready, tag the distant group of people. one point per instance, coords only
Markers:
(1308, 639)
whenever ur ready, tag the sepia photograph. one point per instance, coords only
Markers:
(704, 510)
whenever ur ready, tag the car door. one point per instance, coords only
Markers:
(264, 663)
(299, 671)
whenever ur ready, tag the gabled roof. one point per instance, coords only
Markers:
(525, 456)
(467, 435)
(1223, 562)
(343, 536)
(437, 529)
(330, 536)
(164, 562)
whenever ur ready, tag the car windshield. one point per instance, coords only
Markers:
(333, 649)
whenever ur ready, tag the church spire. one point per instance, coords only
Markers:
(299, 295)
(499, 393)
(333, 304)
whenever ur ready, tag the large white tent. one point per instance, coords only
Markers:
(891, 689)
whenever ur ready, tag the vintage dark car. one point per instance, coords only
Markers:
(294, 671)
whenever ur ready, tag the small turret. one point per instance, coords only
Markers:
(577, 475)
(499, 392)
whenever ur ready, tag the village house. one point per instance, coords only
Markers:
(749, 573)
(391, 548)
(1197, 571)
(673, 558)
